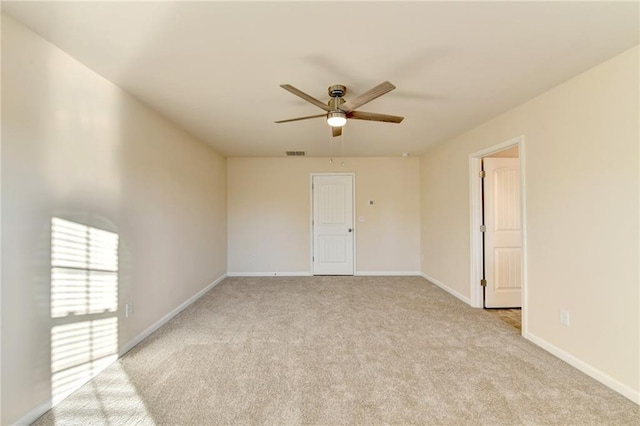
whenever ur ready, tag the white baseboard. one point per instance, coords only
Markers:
(42, 408)
(269, 274)
(586, 368)
(389, 273)
(308, 274)
(162, 321)
(446, 288)
(34, 414)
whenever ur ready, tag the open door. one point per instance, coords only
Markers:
(503, 236)
(333, 225)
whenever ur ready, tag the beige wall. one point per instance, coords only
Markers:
(582, 206)
(76, 146)
(269, 210)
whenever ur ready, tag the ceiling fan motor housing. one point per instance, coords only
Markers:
(337, 90)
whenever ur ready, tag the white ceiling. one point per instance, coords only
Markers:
(215, 67)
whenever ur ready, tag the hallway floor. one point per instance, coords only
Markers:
(512, 316)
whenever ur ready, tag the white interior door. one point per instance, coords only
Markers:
(503, 236)
(333, 225)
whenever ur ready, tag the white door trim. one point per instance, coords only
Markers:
(355, 227)
(475, 191)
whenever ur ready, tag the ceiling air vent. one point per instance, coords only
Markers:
(296, 153)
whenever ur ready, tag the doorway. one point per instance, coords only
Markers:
(333, 247)
(498, 228)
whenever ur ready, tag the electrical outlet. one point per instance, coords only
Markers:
(564, 317)
(128, 310)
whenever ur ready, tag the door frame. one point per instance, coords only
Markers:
(475, 204)
(353, 201)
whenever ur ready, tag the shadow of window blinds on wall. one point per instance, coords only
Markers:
(84, 304)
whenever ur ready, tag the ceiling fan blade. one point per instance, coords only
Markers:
(367, 96)
(306, 97)
(301, 118)
(374, 116)
(336, 131)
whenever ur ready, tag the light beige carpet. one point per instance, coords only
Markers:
(333, 351)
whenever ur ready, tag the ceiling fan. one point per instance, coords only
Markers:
(339, 110)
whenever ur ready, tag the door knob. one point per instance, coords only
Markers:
(350, 229)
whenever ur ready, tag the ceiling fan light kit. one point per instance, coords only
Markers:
(339, 110)
(336, 118)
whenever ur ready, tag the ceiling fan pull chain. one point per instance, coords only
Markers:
(331, 150)
(342, 148)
